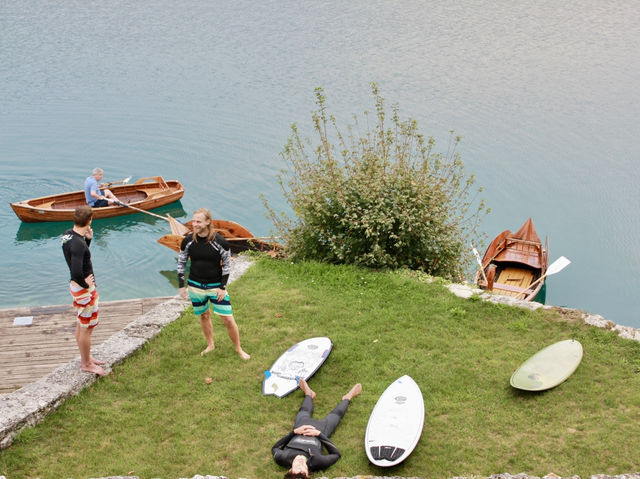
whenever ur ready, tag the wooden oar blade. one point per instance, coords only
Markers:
(177, 228)
(172, 241)
(558, 265)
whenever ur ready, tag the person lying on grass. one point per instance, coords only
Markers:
(301, 449)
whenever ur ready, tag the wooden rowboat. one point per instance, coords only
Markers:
(513, 262)
(144, 194)
(240, 238)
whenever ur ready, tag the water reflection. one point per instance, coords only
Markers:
(102, 227)
(172, 276)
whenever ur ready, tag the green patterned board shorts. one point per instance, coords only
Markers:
(201, 293)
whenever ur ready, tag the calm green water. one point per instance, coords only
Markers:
(545, 96)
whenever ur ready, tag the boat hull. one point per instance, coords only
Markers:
(240, 238)
(514, 263)
(145, 194)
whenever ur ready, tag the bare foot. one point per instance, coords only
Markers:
(244, 355)
(97, 361)
(94, 368)
(355, 390)
(207, 350)
(306, 389)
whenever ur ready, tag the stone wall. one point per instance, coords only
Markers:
(466, 291)
(494, 476)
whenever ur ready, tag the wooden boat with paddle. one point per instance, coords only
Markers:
(240, 238)
(514, 263)
(144, 194)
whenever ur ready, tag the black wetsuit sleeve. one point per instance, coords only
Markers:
(76, 271)
(225, 258)
(279, 454)
(76, 261)
(183, 256)
(325, 460)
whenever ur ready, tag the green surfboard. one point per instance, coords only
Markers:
(548, 367)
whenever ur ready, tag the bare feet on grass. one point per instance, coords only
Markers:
(306, 389)
(355, 390)
(207, 350)
(243, 355)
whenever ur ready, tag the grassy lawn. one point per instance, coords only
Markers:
(156, 415)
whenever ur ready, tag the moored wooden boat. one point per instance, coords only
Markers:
(514, 262)
(145, 194)
(240, 238)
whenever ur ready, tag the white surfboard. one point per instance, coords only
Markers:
(301, 360)
(395, 424)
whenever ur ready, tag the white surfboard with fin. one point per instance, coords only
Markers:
(395, 424)
(301, 360)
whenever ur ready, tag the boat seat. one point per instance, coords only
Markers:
(512, 281)
(509, 288)
(65, 205)
(133, 196)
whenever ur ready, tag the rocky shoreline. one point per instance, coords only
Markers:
(467, 291)
(494, 476)
(29, 405)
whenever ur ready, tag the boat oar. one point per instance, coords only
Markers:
(123, 182)
(555, 267)
(177, 228)
(120, 203)
(475, 253)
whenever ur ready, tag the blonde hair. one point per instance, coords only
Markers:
(211, 232)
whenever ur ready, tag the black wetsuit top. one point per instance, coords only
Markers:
(292, 445)
(210, 261)
(76, 252)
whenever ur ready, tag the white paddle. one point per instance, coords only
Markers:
(123, 182)
(555, 267)
(477, 255)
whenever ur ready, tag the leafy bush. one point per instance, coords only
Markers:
(377, 196)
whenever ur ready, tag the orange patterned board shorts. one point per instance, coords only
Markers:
(86, 303)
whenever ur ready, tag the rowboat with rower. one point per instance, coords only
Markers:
(145, 194)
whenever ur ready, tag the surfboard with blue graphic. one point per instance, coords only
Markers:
(301, 360)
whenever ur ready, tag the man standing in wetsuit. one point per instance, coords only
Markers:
(210, 267)
(301, 449)
(75, 246)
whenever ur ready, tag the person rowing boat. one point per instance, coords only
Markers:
(97, 198)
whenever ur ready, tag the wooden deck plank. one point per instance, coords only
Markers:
(29, 352)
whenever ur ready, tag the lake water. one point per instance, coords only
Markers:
(544, 94)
